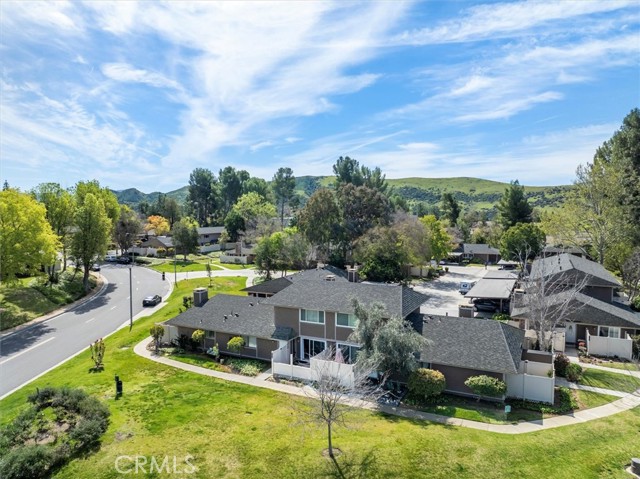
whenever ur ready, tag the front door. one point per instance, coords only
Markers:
(571, 331)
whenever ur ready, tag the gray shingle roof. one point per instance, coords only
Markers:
(469, 248)
(587, 310)
(322, 273)
(472, 343)
(210, 230)
(568, 263)
(269, 287)
(244, 316)
(337, 295)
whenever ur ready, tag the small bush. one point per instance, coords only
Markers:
(573, 372)
(28, 462)
(635, 304)
(486, 386)
(246, 367)
(560, 364)
(636, 346)
(426, 383)
(235, 344)
(88, 432)
(501, 317)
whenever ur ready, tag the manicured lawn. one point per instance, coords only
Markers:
(183, 266)
(609, 380)
(232, 265)
(588, 399)
(627, 366)
(238, 431)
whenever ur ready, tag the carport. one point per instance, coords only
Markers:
(495, 289)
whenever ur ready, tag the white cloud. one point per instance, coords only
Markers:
(126, 73)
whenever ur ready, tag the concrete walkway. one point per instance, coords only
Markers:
(629, 401)
(633, 370)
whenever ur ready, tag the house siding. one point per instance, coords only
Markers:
(312, 330)
(289, 317)
(342, 333)
(602, 293)
(455, 377)
(330, 325)
(265, 347)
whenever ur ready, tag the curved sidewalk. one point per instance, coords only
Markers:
(629, 401)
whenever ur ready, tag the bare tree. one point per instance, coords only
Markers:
(552, 297)
(337, 386)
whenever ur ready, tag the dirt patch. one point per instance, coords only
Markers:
(336, 452)
(123, 436)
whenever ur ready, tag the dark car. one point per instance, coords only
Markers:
(151, 300)
(124, 260)
(487, 305)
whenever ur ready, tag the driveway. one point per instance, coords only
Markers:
(443, 294)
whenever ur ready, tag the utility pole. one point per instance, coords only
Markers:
(130, 297)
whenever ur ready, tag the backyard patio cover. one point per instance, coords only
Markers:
(492, 289)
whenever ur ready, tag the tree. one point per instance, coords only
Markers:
(522, 242)
(235, 344)
(230, 182)
(253, 208)
(97, 349)
(319, 221)
(282, 251)
(171, 211)
(203, 197)
(26, 238)
(209, 272)
(450, 208)
(426, 383)
(347, 171)
(127, 228)
(256, 185)
(439, 239)
(233, 225)
(109, 200)
(198, 337)
(185, 236)
(382, 254)
(362, 208)
(93, 233)
(157, 333)
(513, 207)
(387, 344)
(416, 240)
(631, 274)
(283, 185)
(267, 254)
(60, 206)
(158, 224)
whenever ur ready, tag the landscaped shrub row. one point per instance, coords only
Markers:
(34, 444)
(426, 383)
(560, 364)
(564, 403)
(487, 386)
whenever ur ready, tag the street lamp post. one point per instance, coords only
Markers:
(130, 286)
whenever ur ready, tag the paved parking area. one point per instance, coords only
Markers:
(443, 292)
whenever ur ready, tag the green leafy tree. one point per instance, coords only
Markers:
(26, 238)
(233, 225)
(157, 333)
(450, 208)
(267, 253)
(198, 337)
(362, 208)
(256, 185)
(185, 236)
(127, 228)
(382, 255)
(235, 344)
(172, 211)
(439, 239)
(320, 220)
(253, 208)
(283, 185)
(109, 200)
(93, 233)
(203, 197)
(426, 383)
(387, 344)
(209, 272)
(513, 207)
(60, 206)
(282, 251)
(522, 242)
(230, 187)
(416, 240)
(347, 171)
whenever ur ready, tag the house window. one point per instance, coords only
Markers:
(211, 334)
(610, 331)
(311, 348)
(349, 352)
(311, 316)
(250, 342)
(347, 320)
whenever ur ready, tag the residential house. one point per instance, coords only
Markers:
(595, 315)
(480, 252)
(267, 289)
(209, 235)
(557, 250)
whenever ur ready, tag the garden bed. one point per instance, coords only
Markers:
(226, 364)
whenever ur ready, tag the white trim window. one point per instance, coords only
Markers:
(311, 316)
(210, 334)
(610, 331)
(311, 347)
(346, 320)
(349, 352)
(250, 342)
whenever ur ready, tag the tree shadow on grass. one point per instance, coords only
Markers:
(352, 466)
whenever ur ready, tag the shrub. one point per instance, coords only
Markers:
(28, 462)
(501, 317)
(88, 432)
(560, 364)
(97, 353)
(636, 346)
(486, 386)
(235, 344)
(426, 383)
(157, 333)
(246, 367)
(635, 304)
(573, 372)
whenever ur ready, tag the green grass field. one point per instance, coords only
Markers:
(238, 431)
(183, 266)
(609, 380)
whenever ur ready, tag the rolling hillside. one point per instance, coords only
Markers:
(473, 193)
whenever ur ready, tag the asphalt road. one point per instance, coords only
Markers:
(31, 352)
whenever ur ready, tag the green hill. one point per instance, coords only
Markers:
(132, 196)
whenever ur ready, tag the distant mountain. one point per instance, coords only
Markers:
(476, 193)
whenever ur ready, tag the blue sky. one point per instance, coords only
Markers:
(140, 94)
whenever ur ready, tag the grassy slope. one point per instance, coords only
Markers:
(239, 431)
(609, 380)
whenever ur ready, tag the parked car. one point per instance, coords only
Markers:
(487, 305)
(466, 286)
(151, 300)
(95, 267)
(124, 260)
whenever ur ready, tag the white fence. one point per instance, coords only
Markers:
(226, 258)
(611, 347)
(282, 365)
(535, 368)
(208, 249)
(530, 387)
(170, 333)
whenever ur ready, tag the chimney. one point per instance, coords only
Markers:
(352, 274)
(200, 296)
